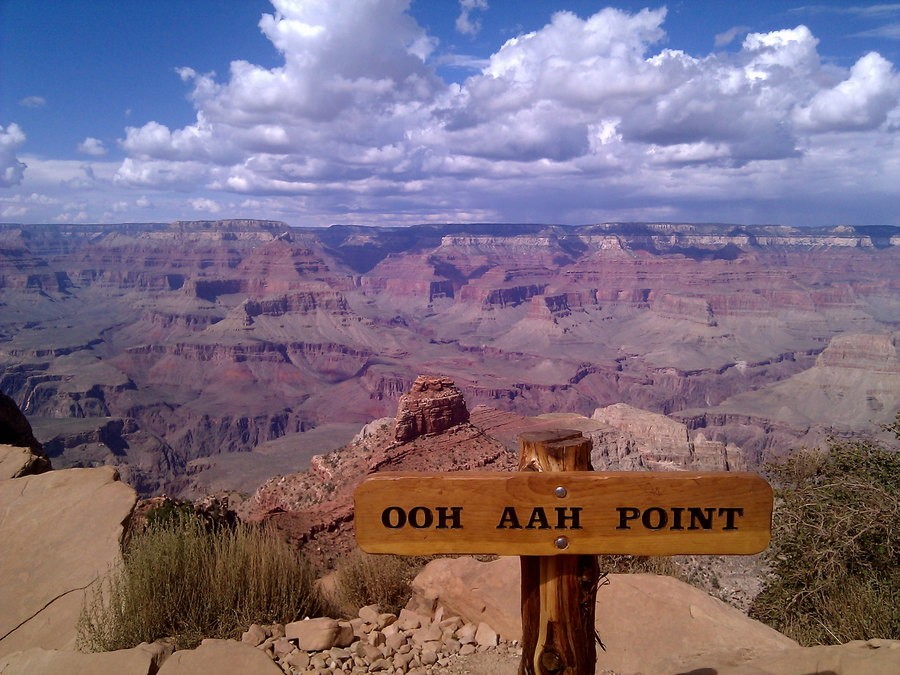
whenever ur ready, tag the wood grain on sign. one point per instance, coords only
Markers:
(573, 512)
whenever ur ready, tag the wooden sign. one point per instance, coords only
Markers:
(569, 512)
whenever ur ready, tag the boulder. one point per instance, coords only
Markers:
(313, 635)
(432, 405)
(871, 657)
(60, 530)
(17, 461)
(645, 621)
(222, 657)
(141, 660)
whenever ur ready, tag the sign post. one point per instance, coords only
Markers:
(557, 515)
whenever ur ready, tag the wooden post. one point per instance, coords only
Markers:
(558, 592)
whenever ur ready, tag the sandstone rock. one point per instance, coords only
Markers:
(872, 657)
(18, 461)
(635, 439)
(313, 635)
(61, 530)
(486, 636)
(477, 592)
(254, 636)
(644, 620)
(222, 657)
(141, 660)
(431, 406)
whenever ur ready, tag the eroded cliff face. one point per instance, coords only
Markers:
(632, 439)
(198, 338)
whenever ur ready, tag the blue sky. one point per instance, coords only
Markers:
(390, 112)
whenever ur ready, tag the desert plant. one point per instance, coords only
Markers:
(179, 579)
(365, 579)
(835, 574)
(638, 564)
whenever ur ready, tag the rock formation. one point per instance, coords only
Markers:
(61, 530)
(649, 624)
(431, 406)
(631, 439)
(193, 339)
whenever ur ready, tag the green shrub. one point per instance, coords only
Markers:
(366, 579)
(179, 579)
(835, 574)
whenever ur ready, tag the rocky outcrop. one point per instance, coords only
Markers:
(633, 439)
(645, 621)
(873, 353)
(431, 406)
(61, 530)
(141, 660)
(16, 462)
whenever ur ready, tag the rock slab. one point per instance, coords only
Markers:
(644, 620)
(141, 660)
(60, 531)
(222, 657)
(16, 461)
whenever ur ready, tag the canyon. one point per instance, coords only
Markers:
(213, 356)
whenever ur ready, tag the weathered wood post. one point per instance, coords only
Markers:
(558, 592)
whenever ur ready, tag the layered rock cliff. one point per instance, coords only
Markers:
(204, 337)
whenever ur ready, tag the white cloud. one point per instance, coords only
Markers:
(207, 205)
(33, 102)
(600, 115)
(465, 24)
(860, 102)
(13, 211)
(727, 37)
(92, 146)
(11, 169)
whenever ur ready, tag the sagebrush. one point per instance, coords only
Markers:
(366, 579)
(184, 580)
(835, 574)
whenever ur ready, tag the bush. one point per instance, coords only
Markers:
(639, 564)
(835, 574)
(180, 579)
(366, 579)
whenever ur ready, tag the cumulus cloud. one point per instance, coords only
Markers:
(465, 24)
(12, 171)
(584, 111)
(860, 102)
(92, 146)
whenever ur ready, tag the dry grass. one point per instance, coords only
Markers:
(366, 579)
(180, 579)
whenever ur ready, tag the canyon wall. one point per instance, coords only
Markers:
(151, 346)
